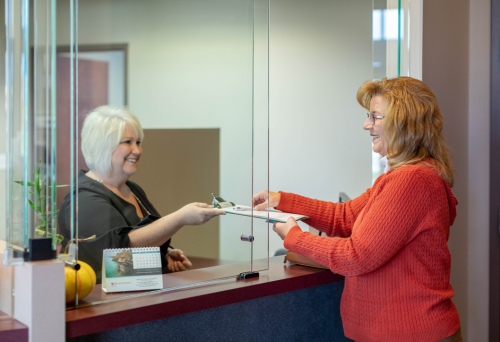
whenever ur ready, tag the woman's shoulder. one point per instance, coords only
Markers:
(423, 171)
(88, 188)
(85, 182)
(136, 188)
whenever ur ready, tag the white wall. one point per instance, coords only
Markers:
(321, 52)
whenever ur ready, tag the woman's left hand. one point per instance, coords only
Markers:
(282, 229)
(177, 261)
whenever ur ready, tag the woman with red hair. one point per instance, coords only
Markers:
(394, 254)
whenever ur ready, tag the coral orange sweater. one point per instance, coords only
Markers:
(394, 256)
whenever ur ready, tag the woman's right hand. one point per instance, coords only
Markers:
(265, 199)
(197, 213)
(177, 261)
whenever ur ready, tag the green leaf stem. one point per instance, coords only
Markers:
(42, 190)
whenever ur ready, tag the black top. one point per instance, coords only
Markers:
(106, 215)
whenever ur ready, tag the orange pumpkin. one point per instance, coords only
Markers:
(84, 279)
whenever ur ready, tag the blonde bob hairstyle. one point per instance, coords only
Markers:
(413, 124)
(101, 134)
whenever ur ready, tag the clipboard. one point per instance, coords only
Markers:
(271, 215)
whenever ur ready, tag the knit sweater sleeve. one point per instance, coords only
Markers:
(388, 223)
(334, 219)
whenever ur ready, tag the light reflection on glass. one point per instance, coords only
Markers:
(385, 24)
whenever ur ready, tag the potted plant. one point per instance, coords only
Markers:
(42, 192)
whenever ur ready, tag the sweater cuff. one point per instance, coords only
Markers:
(291, 238)
(285, 203)
(308, 245)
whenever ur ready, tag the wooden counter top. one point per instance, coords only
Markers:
(11, 330)
(89, 318)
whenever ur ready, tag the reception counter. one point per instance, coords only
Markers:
(287, 302)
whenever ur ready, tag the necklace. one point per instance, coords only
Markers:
(136, 198)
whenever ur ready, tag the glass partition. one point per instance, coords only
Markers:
(261, 128)
(391, 48)
(195, 75)
(27, 155)
(30, 121)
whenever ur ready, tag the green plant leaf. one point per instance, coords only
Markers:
(34, 168)
(22, 183)
(37, 183)
(44, 222)
(41, 183)
(41, 229)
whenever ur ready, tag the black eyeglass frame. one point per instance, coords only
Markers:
(373, 117)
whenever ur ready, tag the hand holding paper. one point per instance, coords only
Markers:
(265, 199)
(282, 229)
(197, 213)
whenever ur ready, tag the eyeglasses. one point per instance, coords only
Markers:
(373, 118)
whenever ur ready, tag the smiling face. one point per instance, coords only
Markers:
(126, 156)
(378, 107)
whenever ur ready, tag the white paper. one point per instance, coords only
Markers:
(277, 216)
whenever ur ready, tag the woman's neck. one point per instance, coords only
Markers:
(114, 183)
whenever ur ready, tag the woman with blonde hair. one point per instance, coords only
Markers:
(394, 254)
